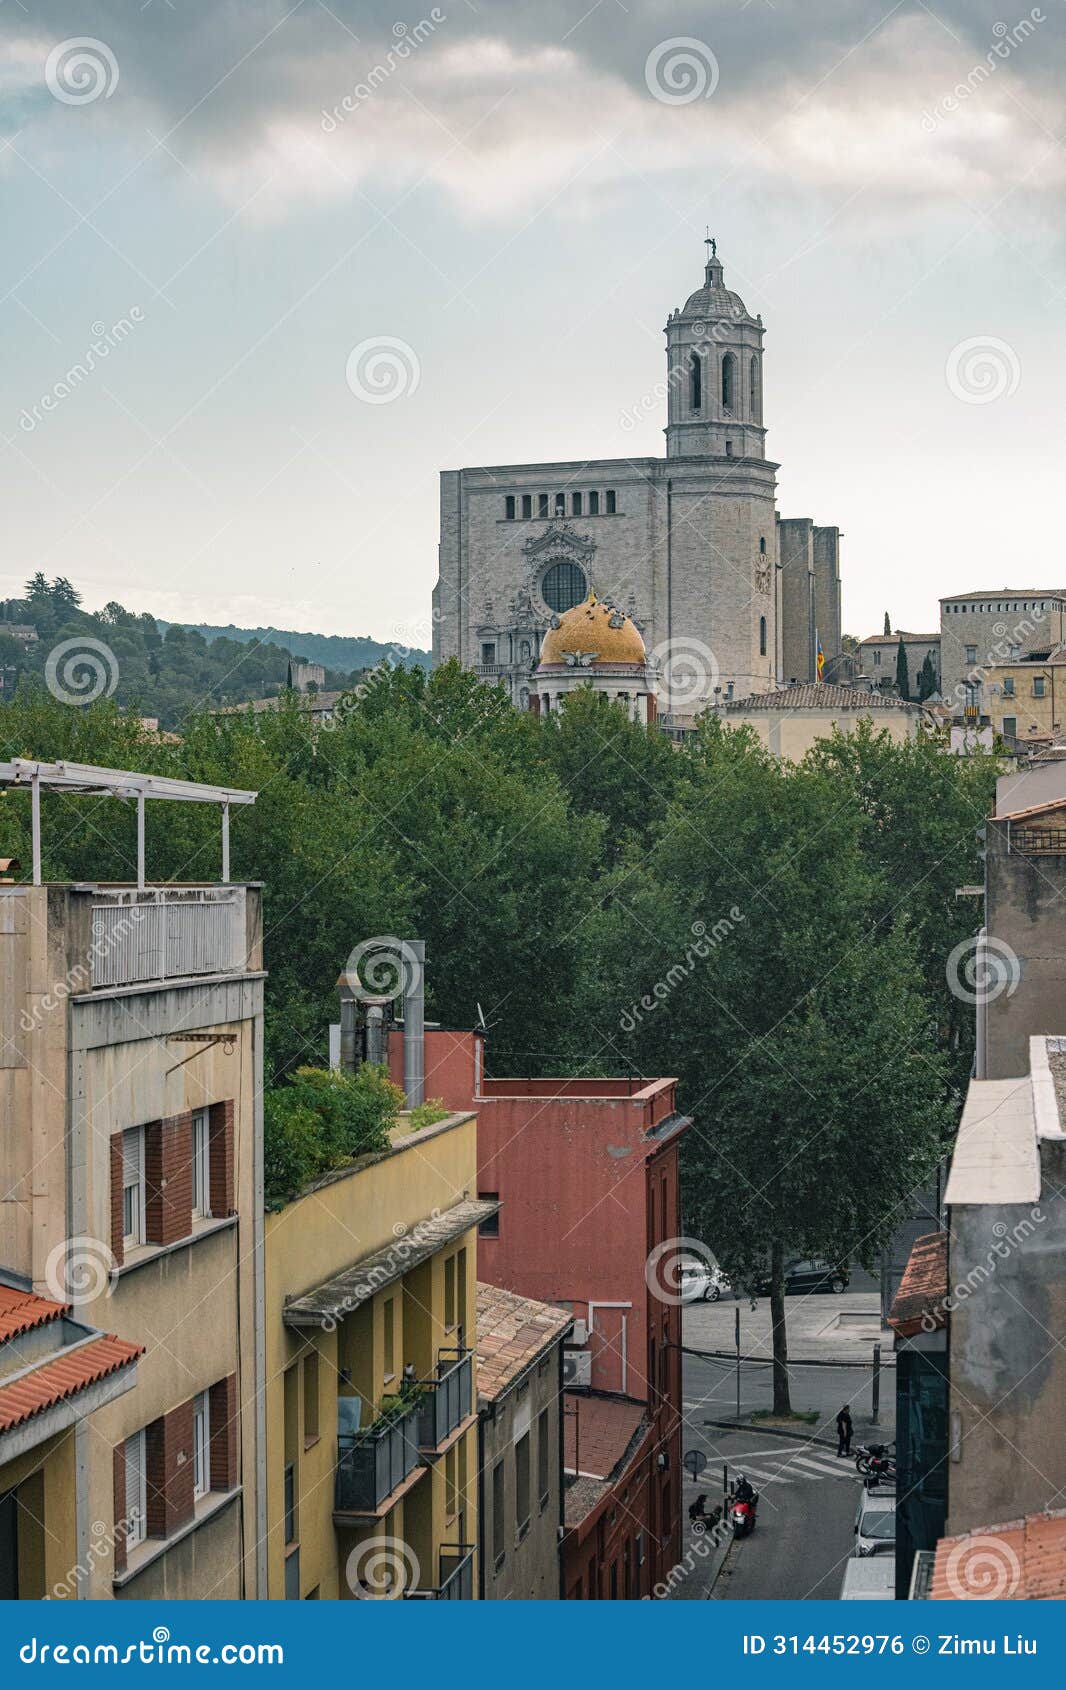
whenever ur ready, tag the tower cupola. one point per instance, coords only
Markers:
(714, 349)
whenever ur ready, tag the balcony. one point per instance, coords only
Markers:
(166, 935)
(456, 1574)
(373, 1463)
(1038, 841)
(446, 1400)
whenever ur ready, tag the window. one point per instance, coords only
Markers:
(490, 1226)
(563, 586)
(611, 503)
(877, 660)
(310, 1398)
(762, 545)
(133, 1186)
(753, 389)
(201, 1163)
(460, 1293)
(389, 1322)
(1010, 726)
(729, 381)
(695, 381)
(762, 636)
(729, 448)
(594, 504)
(560, 504)
(451, 1483)
(488, 651)
(543, 1457)
(201, 1445)
(449, 1292)
(575, 504)
(527, 504)
(136, 1490)
(1008, 686)
(521, 1480)
(508, 507)
(542, 504)
(1038, 686)
(499, 1548)
(971, 654)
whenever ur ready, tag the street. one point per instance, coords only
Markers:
(807, 1496)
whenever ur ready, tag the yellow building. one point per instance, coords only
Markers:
(1025, 699)
(788, 722)
(371, 1447)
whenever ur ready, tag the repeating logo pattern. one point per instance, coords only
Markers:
(81, 70)
(982, 369)
(681, 70)
(382, 1569)
(382, 369)
(981, 969)
(383, 967)
(81, 669)
(983, 1569)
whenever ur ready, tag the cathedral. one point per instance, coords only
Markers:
(728, 597)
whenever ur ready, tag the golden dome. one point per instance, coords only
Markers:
(594, 631)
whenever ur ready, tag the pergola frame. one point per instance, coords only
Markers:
(26, 773)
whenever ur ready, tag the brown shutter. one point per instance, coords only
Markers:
(120, 1480)
(168, 1179)
(168, 1442)
(223, 1412)
(220, 1140)
(116, 1202)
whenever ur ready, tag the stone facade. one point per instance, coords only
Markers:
(687, 545)
(978, 630)
(879, 652)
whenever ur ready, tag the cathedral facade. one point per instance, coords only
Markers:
(730, 598)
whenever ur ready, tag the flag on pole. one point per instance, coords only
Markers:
(819, 662)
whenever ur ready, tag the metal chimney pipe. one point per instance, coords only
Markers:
(375, 1033)
(414, 1021)
(349, 1033)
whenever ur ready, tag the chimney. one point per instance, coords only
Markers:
(414, 1022)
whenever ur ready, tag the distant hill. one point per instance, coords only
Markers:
(336, 651)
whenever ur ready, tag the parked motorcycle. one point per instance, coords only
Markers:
(866, 1454)
(881, 1471)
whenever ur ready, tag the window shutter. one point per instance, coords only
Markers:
(116, 1202)
(223, 1193)
(119, 1460)
(168, 1179)
(223, 1420)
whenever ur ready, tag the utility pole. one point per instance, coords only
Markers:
(736, 1313)
(877, 1384)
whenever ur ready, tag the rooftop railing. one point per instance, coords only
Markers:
(163, 935)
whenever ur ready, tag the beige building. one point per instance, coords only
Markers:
(979, 630)
(371, 1446)
(519, 1393)
(1026, 699)
(788, 722)
(879, 656)
(131, 1178)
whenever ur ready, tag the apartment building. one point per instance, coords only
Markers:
(130, 1222)
(371, 1443)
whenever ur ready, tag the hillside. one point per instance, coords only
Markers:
(160, 669)
(337, 651)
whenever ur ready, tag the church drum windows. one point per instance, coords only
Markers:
(560, 504)
(594, 504)
(542, 504)
(729, 381)
(575, 504)
(527, 504)
(610, 502)
(762, 636)
(508, 507)
(563, 586)
(696, 382)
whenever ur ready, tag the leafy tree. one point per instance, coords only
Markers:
(928, 680)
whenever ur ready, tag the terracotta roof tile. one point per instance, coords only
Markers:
(21, 1311)
(511, 1332)
(818, 696)
(918, 1305)
(63, 1376)
(600, 1438)
(1020, 1561)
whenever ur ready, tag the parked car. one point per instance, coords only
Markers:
(700, 1282)
(808, 1276)
(869, 1579)
(875, 1524)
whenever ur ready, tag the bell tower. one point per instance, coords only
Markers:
(714, 352)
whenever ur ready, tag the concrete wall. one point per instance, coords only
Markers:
(825, 551)
(791, 734)
(795, 547)
(1025, 909)
(530, 1564)
(1008, 1368)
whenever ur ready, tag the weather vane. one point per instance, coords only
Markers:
(713, 244)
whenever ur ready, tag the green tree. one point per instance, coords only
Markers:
(888, 624)
(903, 683)
(927, 679)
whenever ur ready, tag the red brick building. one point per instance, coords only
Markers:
(586, 1172)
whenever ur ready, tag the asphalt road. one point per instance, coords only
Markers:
(807, 1497)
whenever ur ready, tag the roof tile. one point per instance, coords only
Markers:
(63, 1377)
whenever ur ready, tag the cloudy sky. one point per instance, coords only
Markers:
(230, 199)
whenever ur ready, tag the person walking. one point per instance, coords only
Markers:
(844, 1431)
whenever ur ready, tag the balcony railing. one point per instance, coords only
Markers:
(372, 1463)
(139, 936)
(447, 1400)
(456, 1577)
(1039, 841)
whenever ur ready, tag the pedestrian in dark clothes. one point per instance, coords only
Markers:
(844, 1431)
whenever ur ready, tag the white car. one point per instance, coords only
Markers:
(700, 1283)
(875, 1525)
